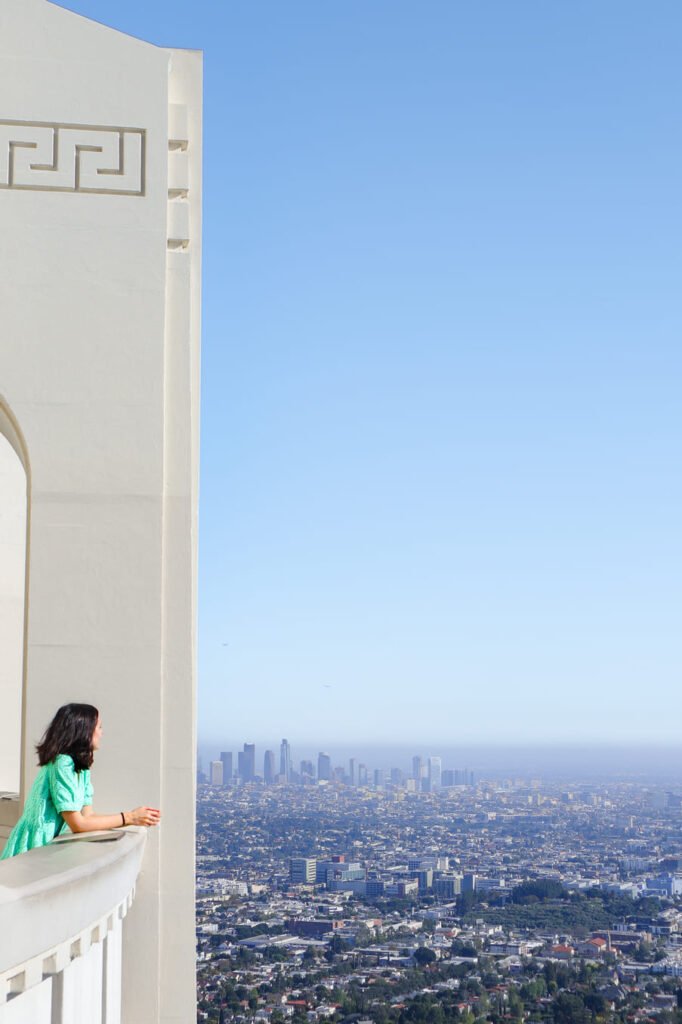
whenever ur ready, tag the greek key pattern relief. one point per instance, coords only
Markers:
(45, 157)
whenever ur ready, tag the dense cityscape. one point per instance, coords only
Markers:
(427, 773)
(361, 894)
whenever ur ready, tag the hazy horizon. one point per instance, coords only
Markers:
(582, 762)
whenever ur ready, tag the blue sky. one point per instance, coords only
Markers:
(440, 494)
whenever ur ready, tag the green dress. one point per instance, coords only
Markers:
(58, 787)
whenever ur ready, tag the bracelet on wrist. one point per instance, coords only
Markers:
(123, 817)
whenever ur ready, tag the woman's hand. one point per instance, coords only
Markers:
(143, 816)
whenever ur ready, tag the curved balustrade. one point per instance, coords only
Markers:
(61, 918)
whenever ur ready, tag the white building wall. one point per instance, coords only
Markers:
(99, 364)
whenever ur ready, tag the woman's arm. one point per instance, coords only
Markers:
(86, 821)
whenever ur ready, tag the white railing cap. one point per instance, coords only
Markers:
(53, 893)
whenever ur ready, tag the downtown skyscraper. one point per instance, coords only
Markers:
(285, 760)
(246, 761)
(324, 767)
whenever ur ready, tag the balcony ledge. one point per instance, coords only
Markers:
(58, 900)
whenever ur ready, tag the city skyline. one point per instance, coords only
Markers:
(591, 763)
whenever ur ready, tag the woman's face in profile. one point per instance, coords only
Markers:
(97, 734)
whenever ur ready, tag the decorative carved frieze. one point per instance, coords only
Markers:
(46, 157)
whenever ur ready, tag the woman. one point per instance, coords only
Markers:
(61, 795)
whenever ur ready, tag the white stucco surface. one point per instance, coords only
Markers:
(100, 203)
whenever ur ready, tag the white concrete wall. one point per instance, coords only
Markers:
(99, 287)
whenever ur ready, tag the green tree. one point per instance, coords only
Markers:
(595, 1003)
(569, 1008)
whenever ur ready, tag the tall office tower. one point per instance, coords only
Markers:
(216, 773)
(226, 758)
(351, 771)
(302, 870)
(417, 768)
(307, 771)
(285, 760)
(448, 777)
(324, 767)
(424, 878)
(379, 778)
(447, 887)
(362, 775)
(269, 767)
(241, 763)
(396, 776)
(435, 773)
(249, 762)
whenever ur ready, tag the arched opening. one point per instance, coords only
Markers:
(14, 511)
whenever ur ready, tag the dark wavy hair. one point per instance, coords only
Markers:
(70, 732)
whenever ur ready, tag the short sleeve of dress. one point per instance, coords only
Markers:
(89, 792)
(64, 788)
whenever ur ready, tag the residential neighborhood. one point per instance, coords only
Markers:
(506, 900)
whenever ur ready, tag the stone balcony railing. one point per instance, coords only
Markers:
(61, 920)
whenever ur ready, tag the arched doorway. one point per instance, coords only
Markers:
(14, 510)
